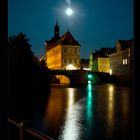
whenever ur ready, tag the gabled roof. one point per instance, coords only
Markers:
(66, 39)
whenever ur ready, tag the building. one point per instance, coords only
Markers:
(120, 60)
(85, 64)
(99, 60)
(62, 52)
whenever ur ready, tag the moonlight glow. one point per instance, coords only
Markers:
(69, 11)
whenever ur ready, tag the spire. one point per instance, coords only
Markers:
(68, 27)
(56, 30)
(56, 21)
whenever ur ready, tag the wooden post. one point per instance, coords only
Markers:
(21, 124)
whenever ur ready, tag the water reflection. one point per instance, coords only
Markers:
(93, 112)
(89, 104)
(89, 110)
(110, 108)
(70, 98)
(71, 127)
(53, 117)
(125, 109)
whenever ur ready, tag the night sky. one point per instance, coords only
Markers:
(94, 23)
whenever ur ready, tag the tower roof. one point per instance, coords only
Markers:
(68, 39)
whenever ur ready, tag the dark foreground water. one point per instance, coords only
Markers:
(102, 112)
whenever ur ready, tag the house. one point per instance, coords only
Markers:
(62, 52)
(99, 60)
(121, 59)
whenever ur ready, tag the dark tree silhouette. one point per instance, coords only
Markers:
(27, 78)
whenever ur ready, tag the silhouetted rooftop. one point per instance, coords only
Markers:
(126, 43)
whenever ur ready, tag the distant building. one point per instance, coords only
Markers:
(62, 52)
(121, 59)
(85, 64)
(99, 60)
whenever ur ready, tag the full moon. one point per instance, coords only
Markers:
(69, 11)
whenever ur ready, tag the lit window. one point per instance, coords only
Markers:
(125, 61)
(110, 72)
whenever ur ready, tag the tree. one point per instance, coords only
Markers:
(26, 78)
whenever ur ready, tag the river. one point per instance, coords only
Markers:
(101, 112)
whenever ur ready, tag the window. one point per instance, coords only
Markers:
(69, 50)
(70, 60)
(65, 50)
(64, 60)
(75, 60)
(125, 61)
(67, 60)
(77, 51)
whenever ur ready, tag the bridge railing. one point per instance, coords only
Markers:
(23, 130)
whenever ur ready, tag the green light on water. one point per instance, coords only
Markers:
(89, 76)
(89, 82)
(89, 86)
(89, 105)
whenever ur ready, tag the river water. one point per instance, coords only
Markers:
(101, 112)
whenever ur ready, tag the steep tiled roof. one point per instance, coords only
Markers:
(66, 39)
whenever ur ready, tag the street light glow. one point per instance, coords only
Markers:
(69, 11)
(89, 76)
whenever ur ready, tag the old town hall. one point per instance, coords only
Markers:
(62, 53)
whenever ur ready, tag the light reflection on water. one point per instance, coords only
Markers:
(110, 109)
(71, 128)
(91, 112)
(89, 103)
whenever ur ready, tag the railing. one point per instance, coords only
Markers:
(23, 128)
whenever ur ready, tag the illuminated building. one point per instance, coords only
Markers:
(62, 52)
(121, 59)
(99, 60)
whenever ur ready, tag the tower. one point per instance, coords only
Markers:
(56, 30)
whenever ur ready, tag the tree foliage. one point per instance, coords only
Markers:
(27, 78)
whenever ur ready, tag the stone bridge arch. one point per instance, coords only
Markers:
(64, 79)
(71, 76)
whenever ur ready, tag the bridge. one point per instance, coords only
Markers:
(78, 77)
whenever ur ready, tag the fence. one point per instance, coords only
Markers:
(23, 129)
